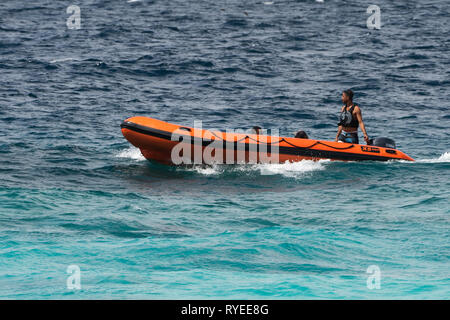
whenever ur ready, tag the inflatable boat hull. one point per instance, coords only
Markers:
(157, 139)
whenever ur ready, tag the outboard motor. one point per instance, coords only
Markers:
(383, 142)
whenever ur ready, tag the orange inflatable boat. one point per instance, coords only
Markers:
(174, 144)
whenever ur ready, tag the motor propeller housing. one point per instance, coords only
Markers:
(383, 142)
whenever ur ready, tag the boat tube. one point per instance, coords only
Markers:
(169, 143)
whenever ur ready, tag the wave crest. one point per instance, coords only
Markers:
(445, 157)
(287, 169)
(131, 153)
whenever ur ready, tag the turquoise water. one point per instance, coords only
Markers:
(309, 230)
(74, 192)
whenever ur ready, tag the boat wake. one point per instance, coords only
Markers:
(131, 153)
(291, 169)
(287, 169)
(443, 158)
(294, 170)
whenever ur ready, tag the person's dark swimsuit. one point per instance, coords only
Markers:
(350, 137)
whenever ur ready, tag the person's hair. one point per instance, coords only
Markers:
(256, 129)
(349, 94)
(301, 135)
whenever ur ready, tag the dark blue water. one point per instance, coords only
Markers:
(73, 191)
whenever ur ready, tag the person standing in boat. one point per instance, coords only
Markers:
(350, 120)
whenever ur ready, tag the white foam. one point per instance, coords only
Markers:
(131, 153)
(291, 169)
(287, 169)
(62, 60)
(207, 171)
(443, 158)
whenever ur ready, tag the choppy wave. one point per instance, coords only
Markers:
(445, 157)
(59, 60)
(131, 153)
(208, 170)
(287, 169)
(291, 169)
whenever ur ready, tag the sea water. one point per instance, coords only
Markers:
(84, 216)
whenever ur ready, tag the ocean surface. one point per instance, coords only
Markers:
(73, 191)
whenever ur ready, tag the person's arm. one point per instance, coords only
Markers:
(361, 124)
(339, 129)
(338, 133)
